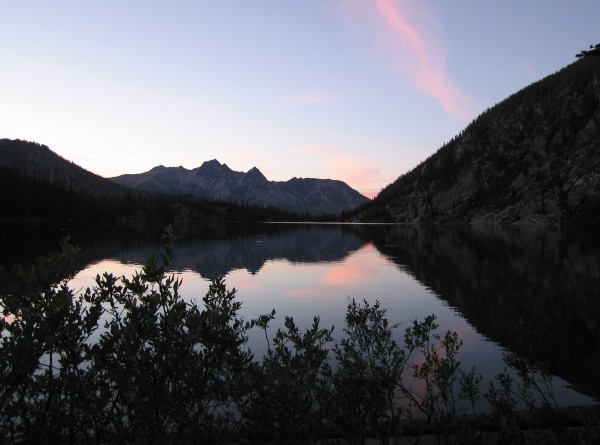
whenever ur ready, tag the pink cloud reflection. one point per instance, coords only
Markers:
(9, 319)
(313, 292)
(352, 274)
(355, 272)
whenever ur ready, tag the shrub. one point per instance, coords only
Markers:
(130, 361)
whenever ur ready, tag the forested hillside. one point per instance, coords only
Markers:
(532, 159)
(37, 184)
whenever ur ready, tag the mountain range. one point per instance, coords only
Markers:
(532, 159)
(37, 183)
(213, 180)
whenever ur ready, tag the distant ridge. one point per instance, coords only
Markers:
(532, 159)
(213, 180)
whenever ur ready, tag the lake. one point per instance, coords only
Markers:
(535, 291)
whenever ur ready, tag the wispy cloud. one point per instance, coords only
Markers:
(355, 170)
(409, 35)
(314, 98)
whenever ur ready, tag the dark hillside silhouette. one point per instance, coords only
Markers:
(38, 163)
(38, 184)
(532, 159)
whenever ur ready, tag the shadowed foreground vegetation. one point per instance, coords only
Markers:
(130, 361)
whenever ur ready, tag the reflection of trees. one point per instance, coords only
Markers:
(211, 249)
(212, 258)
(131, 361)
(22, 243)
(534, 291)
(249, 247)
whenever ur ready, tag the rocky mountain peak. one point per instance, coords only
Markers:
(213, 164)
(255, 174)
(214, 180)
(213, 168)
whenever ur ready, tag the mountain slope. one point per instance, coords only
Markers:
(533, 158)
(37, 184)
(38, 162)
(213, 180)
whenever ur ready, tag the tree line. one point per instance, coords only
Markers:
(27, 198)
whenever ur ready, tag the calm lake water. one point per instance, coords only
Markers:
(533, 291)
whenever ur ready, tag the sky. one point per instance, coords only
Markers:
(356, 90)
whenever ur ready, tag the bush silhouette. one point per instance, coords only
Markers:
(130, 361)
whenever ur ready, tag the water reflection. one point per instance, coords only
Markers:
(249, 247)
(531, 291)
(534, 291)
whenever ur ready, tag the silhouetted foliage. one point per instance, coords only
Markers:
(130, 361)
(593, 51)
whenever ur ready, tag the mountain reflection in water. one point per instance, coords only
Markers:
(533, 291)
(251, 246)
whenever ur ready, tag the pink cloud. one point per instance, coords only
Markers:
(410, 37)
(354, 170)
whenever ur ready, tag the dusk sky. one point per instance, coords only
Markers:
(356, 90)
